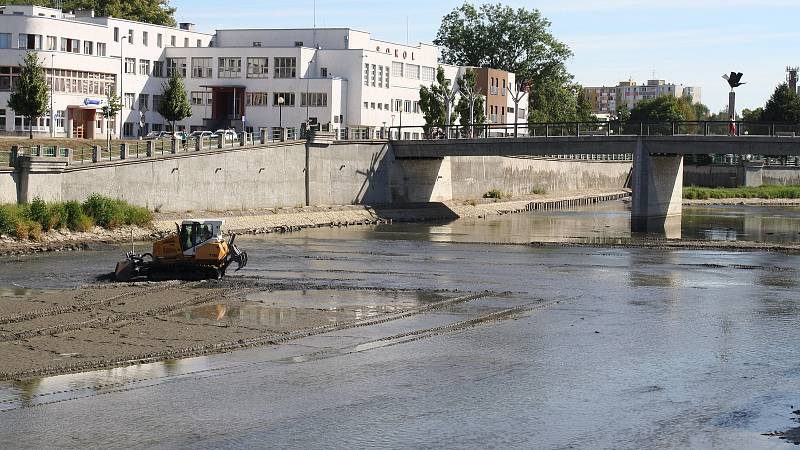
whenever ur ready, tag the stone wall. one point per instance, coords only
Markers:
(8, 186)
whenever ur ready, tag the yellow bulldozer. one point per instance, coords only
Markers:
(196, 251)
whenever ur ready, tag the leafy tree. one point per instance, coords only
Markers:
(583, 108)
(555, 101)
(753, 115)
(501, 37)
(112, 107)
(470, 105)
(31, 96)
(514, 40)
(434, 100)
(783, 106)
(174, 104)
(701, 111)
(623, 113)
(662, 109)
(686, 108)
(150, 11)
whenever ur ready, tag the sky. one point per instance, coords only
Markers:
(690, 42)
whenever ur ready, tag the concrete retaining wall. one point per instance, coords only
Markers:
(725, 175)
(8, 187)
(473, 176)
(785, 176)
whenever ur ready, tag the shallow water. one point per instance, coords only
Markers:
(644, 349)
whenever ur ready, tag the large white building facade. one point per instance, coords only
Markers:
(341, 79)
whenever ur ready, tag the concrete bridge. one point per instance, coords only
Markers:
(657, 176)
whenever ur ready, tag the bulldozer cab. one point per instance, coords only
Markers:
(194, 233)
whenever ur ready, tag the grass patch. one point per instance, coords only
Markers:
(765, 192)
(538, 190)
(494, 193)
(29, 221)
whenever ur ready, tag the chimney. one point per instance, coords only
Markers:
(187, 26)
(84, 13)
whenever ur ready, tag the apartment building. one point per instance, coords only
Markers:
(606, 100)
(251, 79)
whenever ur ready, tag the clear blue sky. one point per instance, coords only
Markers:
(690, 42)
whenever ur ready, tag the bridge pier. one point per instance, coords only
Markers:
(657, 184)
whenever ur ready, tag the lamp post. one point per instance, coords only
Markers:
(52, 91)
(308, 99)
(121, 92)
(281, 101)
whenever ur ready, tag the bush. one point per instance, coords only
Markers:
(494, 193)
(538, 190)
(35, 231)
(21, 230)
(111, 213)
(39, 213)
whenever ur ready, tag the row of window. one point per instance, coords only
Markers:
(61, 80)
(40, 124)
(145, 39)
(376, 76)
(50, 43)
(129, 101)
(227, 67)
(396, 105)
(310, 99)
(413, 71)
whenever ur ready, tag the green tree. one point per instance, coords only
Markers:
(753, 115)
(501, 37)
(31, 95)
(701, 111)
(434, 100)
(174, 104)
(623, 113)
(555, 101)
(470, 107)
(662, 109)
(111, 109)
(583, 108)
(514, 40)
(158, 12)
(783, 106)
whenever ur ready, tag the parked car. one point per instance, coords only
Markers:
(205, 134)
(229, 135)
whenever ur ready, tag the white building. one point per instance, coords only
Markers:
(340, 78)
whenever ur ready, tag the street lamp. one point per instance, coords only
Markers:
(281, 101)
(52, 91)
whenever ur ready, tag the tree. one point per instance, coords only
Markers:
(514, 40)
(661, 109)
(753, 115)
(583, 108)
(701, 111)
(470, 106)
(174, 104)
(111, 108)
(556, 101)
(501, 37)
(31, 96)
(435, 102)
(158, 12)
(623, 113)
(783, 106)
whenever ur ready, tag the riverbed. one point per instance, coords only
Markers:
(523, 347)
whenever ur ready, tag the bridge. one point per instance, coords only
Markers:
(657, 176)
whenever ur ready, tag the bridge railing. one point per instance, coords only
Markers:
(595, 128)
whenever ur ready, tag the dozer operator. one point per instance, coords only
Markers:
(196, 251)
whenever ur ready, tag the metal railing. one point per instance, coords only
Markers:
(596, 128)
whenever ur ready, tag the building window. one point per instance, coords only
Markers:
(230, 68)
(386, 72)
(130, 37)
(285, 67)
(199, 98)
(257, 67)
(101, 49)
(144, 67)
(185, 42)
(127, 129)
(374, 75)
(380, 76)
(428, 74)
(314, 99)
(176, 65)
(145, 38)
(256, 99)
(129, 100)
(79, 82)
(158, 69)
(30, 41)
(323, 72)
(407, 106)
(366, 105)
(172, 40)
(70, 45)
(144, 102)
(199, 43)
(412, 71)
(366, 74)
(288, 98)
(2, 118)
(256, 43)
(52, 43)
(116, 34)
(201, 67)
(159, 40)
(415, 107)
(130, 65)
(397, 69)
(59, 119)
(398, 105)
(372, 105)
(156, 102)
(5, 40)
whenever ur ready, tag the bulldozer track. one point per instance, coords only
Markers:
(83, 306)
(114, 318)
(396, 339)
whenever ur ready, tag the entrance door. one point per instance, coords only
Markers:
(78, 124)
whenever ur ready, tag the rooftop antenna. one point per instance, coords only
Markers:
(406, 30)
(315, 14)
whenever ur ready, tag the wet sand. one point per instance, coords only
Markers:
(99, 326)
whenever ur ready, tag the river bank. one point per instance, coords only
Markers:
(279, 220)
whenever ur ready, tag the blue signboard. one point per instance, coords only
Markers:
(92, 101)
